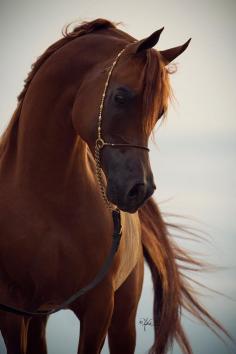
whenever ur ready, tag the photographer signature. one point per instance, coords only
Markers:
(145, 321)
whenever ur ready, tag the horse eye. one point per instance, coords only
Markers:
(119, 99)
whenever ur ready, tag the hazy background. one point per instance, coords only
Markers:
(194, 157)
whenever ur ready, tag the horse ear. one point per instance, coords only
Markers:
(170, 54)
(148, 42)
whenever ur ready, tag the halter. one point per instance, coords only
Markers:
(100, 143)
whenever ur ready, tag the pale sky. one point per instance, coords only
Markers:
(194, 160)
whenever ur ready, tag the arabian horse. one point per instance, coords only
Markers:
(74, 151)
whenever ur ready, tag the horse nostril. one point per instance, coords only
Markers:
(136, 190)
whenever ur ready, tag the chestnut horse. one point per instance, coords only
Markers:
(55, 227)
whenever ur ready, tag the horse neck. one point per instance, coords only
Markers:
(47, 152)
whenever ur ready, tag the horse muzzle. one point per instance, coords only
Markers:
(130, 196)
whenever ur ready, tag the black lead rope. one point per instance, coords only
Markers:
(99, 277)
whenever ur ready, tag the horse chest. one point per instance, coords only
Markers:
(130, 248)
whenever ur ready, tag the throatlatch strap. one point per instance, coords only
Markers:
(99, 277)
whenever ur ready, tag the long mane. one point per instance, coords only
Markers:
(173, 290)
(157, 90)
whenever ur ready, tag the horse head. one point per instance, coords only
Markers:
(133, 99)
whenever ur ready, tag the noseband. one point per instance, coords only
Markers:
(100, 143)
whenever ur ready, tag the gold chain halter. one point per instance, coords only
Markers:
(100, 143)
